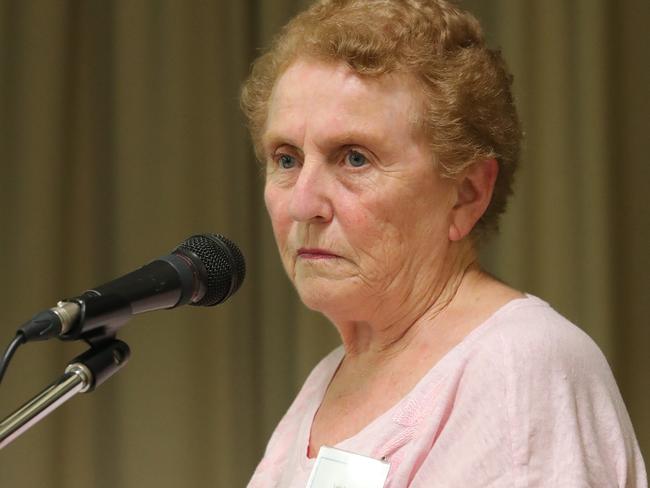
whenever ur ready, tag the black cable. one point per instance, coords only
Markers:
(11, 349)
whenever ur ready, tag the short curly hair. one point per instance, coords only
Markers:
(469, 114)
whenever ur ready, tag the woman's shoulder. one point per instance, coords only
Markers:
(523, 348)
(536, 390)
(530, 333)
(527, 345)
(550, 377)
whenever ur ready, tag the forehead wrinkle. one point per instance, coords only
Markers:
(348, 108)
(282, 126)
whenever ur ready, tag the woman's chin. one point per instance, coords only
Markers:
(329, 297)
(318, 298)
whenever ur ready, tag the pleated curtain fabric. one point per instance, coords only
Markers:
(120, 136)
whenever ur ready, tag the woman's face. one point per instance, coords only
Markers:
(359, 211)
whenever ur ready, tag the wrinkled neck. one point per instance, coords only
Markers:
(398, 320)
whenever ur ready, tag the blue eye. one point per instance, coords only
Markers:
(286, 162)
(356, 159)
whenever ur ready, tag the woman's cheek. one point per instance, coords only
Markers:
(273, 198)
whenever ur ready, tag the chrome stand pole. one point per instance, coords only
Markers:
(83, 374)
(74, 381)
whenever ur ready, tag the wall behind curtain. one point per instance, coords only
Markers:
(120, 136)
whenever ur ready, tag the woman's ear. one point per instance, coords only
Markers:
(474, 192)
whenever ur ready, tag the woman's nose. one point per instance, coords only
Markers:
(311, 198)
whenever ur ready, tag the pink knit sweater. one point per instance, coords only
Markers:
(525, 400)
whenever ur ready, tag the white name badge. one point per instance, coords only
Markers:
(340, 469)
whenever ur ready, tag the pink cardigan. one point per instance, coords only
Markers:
(525, 400)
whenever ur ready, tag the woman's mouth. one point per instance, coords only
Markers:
(314, 253)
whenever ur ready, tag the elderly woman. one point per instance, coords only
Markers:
(389, 137)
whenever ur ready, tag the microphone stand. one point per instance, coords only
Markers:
(83, 374)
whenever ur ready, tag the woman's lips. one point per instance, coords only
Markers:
(312, 253)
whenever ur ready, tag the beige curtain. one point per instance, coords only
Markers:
(120, 136)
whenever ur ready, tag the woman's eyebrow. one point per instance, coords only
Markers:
(361, 137)
(271, 139)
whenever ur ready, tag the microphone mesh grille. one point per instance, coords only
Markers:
(224, 265)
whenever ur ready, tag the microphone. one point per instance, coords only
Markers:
(204, 270)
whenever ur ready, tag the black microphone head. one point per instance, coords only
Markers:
(223, 262)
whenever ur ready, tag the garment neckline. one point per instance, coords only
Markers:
(433, 376)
